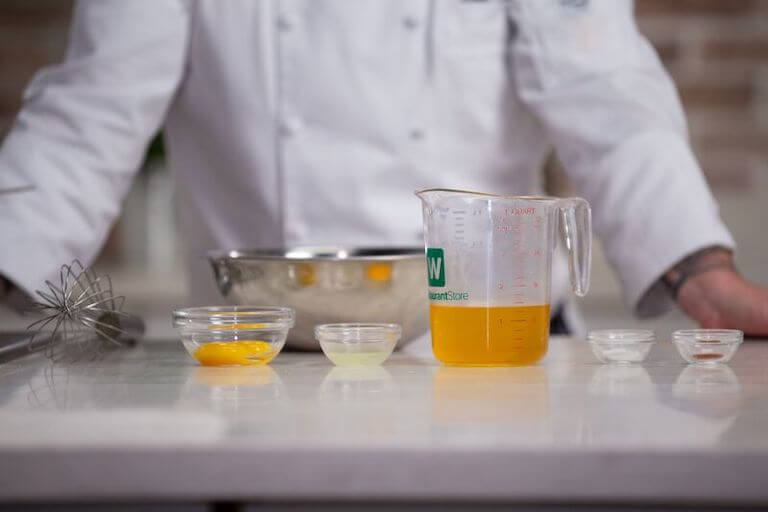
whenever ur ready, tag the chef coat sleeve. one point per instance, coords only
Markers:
(616, 122)
(82, 133)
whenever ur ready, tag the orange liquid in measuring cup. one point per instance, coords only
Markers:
(489, 336)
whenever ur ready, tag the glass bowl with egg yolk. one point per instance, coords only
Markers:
(233, 335)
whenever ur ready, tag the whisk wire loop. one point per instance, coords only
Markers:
(80, 314)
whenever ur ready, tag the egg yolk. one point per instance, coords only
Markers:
(235, 353)
(379, 272)
(305, 274)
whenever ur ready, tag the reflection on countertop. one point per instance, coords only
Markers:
(567, 401)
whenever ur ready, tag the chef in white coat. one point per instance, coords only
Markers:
(313, 121)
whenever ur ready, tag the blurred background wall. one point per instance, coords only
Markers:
(717, 51)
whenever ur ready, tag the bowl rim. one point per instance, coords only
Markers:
(321, 253)
(231, 318)
(358, 332)
(703, 337)
(621, 336)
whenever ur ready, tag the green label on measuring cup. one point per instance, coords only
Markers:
(435, 267)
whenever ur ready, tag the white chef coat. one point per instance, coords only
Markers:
(313, 121)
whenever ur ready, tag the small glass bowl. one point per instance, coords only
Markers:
(357, 344)
(621, 346)
(707, 346)
(233, 335)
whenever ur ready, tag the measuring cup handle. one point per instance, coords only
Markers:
(576, 226)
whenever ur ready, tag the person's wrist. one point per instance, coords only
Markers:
(700, 296)
(703, 261)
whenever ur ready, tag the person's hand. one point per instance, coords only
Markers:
(720, 298)
(12, 297)
(4, 287)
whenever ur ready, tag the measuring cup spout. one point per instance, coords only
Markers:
(576, 226)
(425, 195)
(429, 196)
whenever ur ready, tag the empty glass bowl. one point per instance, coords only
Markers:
(358, 344)
(621, 346)
(707, 346)
(233, 335)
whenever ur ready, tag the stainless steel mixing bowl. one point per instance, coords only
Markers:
(329, 285)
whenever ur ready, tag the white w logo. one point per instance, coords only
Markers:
(434, 267)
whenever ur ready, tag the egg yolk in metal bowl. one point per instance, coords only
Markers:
(379, 272)
(236, 353)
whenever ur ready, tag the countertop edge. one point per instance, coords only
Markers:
(94, 474)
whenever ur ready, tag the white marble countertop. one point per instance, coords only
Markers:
(149, 423)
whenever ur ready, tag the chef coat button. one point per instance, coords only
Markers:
(410, 23)
(284, 24)
(416, 134)
(512, 29)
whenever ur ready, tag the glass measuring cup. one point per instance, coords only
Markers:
(489, 260)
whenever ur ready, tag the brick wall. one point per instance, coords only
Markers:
(33, 33)
(717, 52)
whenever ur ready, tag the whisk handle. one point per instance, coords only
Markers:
(125, 329)
(134, 328)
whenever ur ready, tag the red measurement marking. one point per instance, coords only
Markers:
(512, 211)
(506, 228)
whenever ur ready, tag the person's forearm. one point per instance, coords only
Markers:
(123, 66)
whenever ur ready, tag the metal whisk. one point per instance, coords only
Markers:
(81, 315)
